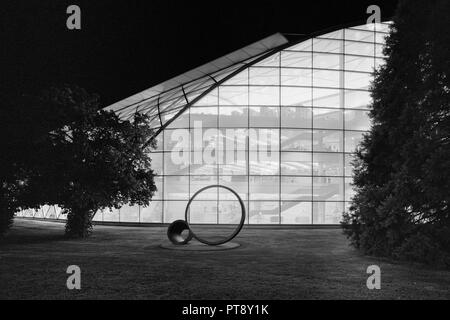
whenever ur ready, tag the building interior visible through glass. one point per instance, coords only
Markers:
(279, 126)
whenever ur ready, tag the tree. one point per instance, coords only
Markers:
(402, 168)
(84, 159)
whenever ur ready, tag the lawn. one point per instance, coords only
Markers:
(127, 263)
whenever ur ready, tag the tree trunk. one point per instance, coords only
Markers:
(79, 223)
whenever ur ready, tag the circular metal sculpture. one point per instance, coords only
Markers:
(175, 229)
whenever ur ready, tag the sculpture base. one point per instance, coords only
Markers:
(198, 246)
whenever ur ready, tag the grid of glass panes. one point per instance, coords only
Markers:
(309, 101)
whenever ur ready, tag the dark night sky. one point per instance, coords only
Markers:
(127, 46)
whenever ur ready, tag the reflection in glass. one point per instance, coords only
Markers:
(296, 212)
(264, 96)
(264, 76)
(293, 117)
(292, 96)
(296, 140)
(328, 164)
(328, 189)
(328, 141)
(264, 188)
(357, 120)
(264, 212)
(327, 118)
(327, 212)
(296, 188)
(296, 163)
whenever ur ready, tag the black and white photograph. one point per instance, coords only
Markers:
(217, 158)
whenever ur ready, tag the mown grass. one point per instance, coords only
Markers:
(127, 263)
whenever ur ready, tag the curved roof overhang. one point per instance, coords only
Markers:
(175, 96)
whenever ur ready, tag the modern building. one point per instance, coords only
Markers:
(277, 121)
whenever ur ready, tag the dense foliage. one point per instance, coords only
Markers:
(67, 152)
(402, 168)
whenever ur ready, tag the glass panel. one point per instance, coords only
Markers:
(291, 96)
(303, 46)
(208, 100)
(328, 189)
(231, 139)
(363, 64)
(207, 116)
(176, 188)
(327, 45)
(234, 117)
(357, 99)
(330, 98)
(199, 182)
(152, 213)
(264, 76)
(174, 210)
(232, 156)
(296, 140)
(177, 139)
(359, 35)
(264, 188)
(328, 164)
(264, 96)
(264, 162)
(239, 79)
(328, 119)
(203, 212)
(381, 37)
(204, 163)
(382, 27)
(264, 116)
(327, 212)
(232, 96)
(296, 212)
(328, 141)
(358, 80)
(264, 212)
(264, 140)
(327, 61)
(296, 163)
(359, 48)
(238, 183)
(292, 117)
(111, 215)
(333, 35)
(296, 188)
(296, 59)
(326, 78)
(182, 121)
(157, 162)
(272, 61)
(176, 163)
(296, 77)
(357, 120)
(365, 27)
(352, 140)
(129, 214)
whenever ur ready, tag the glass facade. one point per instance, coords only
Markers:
(281, 133)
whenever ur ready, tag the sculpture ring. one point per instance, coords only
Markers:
(236, 231)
